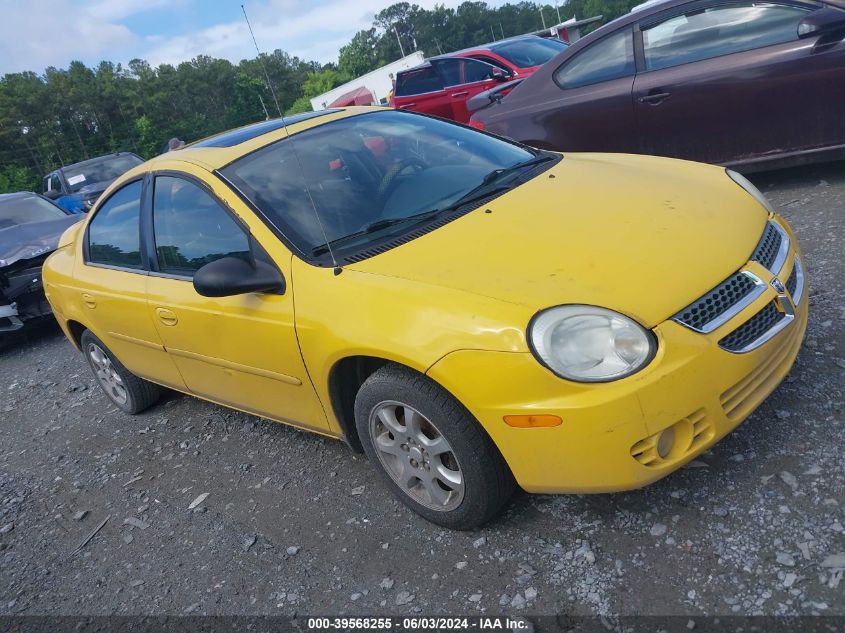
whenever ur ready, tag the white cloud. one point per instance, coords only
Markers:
(42, 33)
(311, 31)
(59, 31)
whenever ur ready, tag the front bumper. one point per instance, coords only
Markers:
(607, 441)
(9, 320)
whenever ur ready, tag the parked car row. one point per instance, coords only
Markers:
(443, 84)
(76, 187)
(31, 225)
(734, 82)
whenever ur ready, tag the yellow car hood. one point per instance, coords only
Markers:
(641, 235)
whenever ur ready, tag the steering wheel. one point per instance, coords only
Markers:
(393, 171)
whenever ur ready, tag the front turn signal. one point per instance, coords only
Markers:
(534, 421)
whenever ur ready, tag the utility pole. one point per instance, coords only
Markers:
(502, 30)
(264, 107)
(401, 50)
(542, 18)
(439, 50)
(492, 33)
(558, 12)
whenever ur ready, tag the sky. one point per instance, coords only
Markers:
(35, 34)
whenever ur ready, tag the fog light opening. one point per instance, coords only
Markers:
(666, 442)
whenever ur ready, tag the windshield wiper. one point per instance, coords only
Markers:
(483, 190)
(378, 225)
(496, 174)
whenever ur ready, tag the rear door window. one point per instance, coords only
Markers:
(418, 81)
(609, 58)
(114, 237)
(719, 30)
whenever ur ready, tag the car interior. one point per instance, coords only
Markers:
(356, 177)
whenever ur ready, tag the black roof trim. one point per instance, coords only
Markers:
(249, 132)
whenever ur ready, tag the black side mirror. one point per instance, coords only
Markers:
(231, 276)
(822, 21)
(499, 75)
(52, 195)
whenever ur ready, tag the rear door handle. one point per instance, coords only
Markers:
(89, 300)
(654, 99)
(460, 94)
(167, 317)
(407, 105)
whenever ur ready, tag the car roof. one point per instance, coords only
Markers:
(218, 151)
(18, 194)
(89, 161)
(490, 46)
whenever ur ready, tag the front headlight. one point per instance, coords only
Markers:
(746, 184)
(589, 344)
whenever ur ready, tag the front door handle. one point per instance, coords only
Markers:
(655, 99)
(460, 94)
(89, 300)
(407, 105)
(167, 317)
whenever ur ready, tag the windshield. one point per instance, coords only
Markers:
(101, 170)
(529, 52)
(27, 209)
(366, 174)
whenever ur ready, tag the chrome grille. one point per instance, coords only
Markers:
(772, 248)
(721, 304)
(757, 330)
(795, 283)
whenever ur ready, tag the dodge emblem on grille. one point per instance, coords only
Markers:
(777, 284)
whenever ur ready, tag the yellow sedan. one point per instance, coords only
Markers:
(472, 313)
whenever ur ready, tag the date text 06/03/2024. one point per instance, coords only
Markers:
(416, 623)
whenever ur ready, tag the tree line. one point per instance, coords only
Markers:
(66, 115)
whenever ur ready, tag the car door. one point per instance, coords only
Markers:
(464, 78)
(587, 106)
(241, 351)
(421, 90)
(111, 283)
(723, 82)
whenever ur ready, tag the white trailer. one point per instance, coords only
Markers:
(378, 82)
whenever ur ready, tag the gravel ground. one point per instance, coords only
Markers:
(294, 523)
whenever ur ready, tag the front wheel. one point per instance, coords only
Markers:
(128, 392)
(432, 452)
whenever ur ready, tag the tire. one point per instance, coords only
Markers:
(126, 391)
(433, 454)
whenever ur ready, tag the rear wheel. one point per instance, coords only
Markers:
(431, 451)
(128, 392)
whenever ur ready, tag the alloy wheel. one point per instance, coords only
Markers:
(417, 456)
(107, 375)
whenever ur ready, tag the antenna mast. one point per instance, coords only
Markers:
(261, 61)
(337, 269)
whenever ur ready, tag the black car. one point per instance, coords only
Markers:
(30, 228)
(76, 187)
